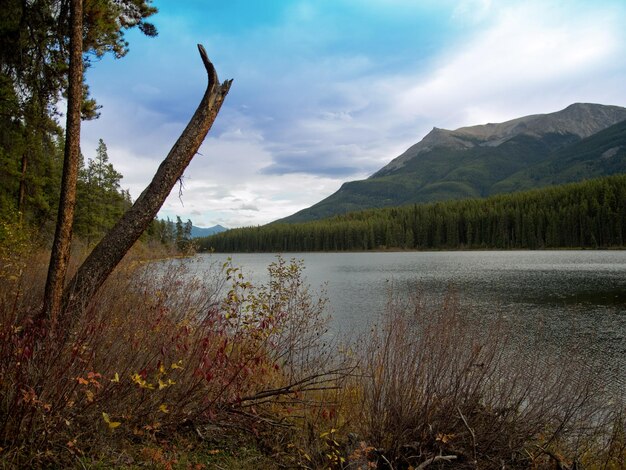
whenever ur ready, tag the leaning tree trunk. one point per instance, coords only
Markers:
(60, 255)
(116, 243)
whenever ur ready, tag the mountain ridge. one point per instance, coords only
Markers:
(474, 161)
(581, 119)
(199, 232)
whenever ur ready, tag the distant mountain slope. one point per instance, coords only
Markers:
(487, 159)
(198, 232)
(602, 154)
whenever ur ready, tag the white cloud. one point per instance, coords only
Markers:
(254, 201)
(225, 185)
(536, 57)
(301, 118)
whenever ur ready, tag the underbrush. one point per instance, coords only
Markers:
(158, 352)
(169, 370)
(439, 388)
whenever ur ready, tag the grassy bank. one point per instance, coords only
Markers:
(168, 371)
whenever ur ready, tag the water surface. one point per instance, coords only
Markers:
(578, 296)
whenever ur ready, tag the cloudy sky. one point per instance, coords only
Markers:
(328, 91)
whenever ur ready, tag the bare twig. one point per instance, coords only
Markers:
(471, 432)
(437, 458)
(180, 189)
(302, 385)
(388, 462)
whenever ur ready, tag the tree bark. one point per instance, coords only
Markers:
(116, 243)
(59, 257)
(21, 194)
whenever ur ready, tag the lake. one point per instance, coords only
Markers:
(579, 297)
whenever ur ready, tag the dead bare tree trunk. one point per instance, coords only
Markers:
(60, 255)
(116, 243)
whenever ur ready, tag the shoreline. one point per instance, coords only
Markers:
(414, 250)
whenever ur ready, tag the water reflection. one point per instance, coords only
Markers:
(577, 296)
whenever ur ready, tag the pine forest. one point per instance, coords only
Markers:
(590, 214)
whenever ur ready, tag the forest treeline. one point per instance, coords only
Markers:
(590, 214)
(34, 62)
(30, 198)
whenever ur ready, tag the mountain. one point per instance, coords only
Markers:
(581, 141)
(198, 232)
(602, 154)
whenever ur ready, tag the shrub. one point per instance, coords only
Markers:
(158, 351)
(440, 387)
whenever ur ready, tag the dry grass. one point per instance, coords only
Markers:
(158, 352)
(439, 388)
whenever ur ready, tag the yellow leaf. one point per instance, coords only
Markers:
(177, 365)
(141, 382)
(116, 378)
(163, 408)
(162, 385)
(445, 438)
(162, 369)
(112, 424)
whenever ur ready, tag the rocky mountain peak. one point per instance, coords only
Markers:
(579, 119)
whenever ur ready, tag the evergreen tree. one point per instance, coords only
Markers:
(34, 58)
(589, 214)
(101, 202)
(180, 232)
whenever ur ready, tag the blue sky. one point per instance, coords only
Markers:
(328, 91)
